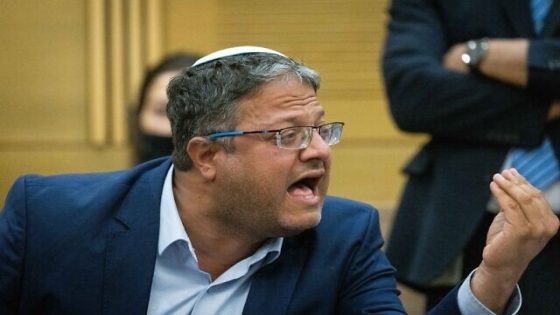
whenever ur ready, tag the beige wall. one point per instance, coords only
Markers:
(69, 68)
(45, 109)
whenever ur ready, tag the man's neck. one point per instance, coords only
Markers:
(217, 246)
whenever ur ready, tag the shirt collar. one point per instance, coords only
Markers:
(170, 228)
(268, 252)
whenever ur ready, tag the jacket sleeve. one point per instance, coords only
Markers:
(12, 247)
(425, 97)
(544, 67)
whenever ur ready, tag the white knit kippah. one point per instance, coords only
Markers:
(239, 50)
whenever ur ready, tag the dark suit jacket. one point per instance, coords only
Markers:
(87, 244)
(473, 121)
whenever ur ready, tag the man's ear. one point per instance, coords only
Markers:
(202, 153)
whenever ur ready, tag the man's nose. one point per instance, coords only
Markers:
(318, 148)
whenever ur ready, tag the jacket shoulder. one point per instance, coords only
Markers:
(338, 206)
(71, 193)
(123, 177)
(348, 215)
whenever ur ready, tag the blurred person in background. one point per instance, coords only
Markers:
(150, 127)
(482, 79)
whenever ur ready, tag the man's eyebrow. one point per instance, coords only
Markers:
(296, 119)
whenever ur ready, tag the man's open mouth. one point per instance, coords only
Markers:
(307, 187)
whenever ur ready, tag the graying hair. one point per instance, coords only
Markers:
(204, 98)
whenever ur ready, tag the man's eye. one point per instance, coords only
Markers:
(269, 137)
(289, 135)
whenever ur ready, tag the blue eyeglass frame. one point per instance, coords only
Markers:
(233, 133)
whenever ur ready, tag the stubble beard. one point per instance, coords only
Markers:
(246, 208)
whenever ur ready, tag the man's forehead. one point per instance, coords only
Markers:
(284, 91)
(283, 114)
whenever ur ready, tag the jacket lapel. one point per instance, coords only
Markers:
(519, 15)
(131, 247)
(274, 284)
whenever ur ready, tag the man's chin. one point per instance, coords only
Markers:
(294, 227)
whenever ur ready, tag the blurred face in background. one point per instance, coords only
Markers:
(154, 138)
(153, 118)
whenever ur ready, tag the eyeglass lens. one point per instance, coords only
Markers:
(300, 137)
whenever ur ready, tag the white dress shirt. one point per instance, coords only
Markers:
(180, 287)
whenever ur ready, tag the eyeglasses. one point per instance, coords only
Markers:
(297, 137)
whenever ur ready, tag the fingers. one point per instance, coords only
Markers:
(509, 206)
(532, 193)
(529, 198)
(547, 216)
(520, 200)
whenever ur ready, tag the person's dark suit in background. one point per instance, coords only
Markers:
(239, 221)
(475, 115)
